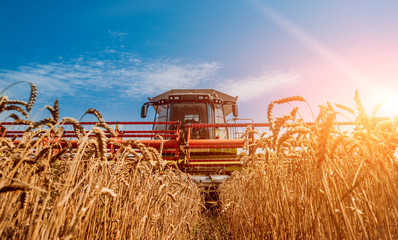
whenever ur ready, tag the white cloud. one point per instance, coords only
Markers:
(123, 75)
(118, 35)
(160, 77)
(252, 87)
(110, 51)
(128, 76)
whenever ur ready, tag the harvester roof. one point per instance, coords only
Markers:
(221, 95)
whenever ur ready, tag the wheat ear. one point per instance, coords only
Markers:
(16, 108)
(3, 103)
(79, 130)
(54, 110)
(17, 102)
(101, 120)
(101, 139)
(32, 98)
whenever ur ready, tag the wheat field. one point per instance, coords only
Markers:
(305, 181)
(316, 181)
(48, 192)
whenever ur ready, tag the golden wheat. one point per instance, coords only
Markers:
(323, 183)
(309, 182)
(50, 191)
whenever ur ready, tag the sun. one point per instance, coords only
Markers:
(389, 104)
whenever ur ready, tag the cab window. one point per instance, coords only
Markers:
(161, 116)
(189, 112)
(220, 132)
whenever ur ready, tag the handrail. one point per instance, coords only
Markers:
(109, 123)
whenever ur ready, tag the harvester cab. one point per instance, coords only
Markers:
(193, 106)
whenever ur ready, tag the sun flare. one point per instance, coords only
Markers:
(389, 107)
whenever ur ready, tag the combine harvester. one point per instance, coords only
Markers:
(190, 129)
(204, 144)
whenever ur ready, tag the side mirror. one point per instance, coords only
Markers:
(235, 110)
(144, 110)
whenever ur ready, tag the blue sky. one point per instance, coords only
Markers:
(112, 55)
